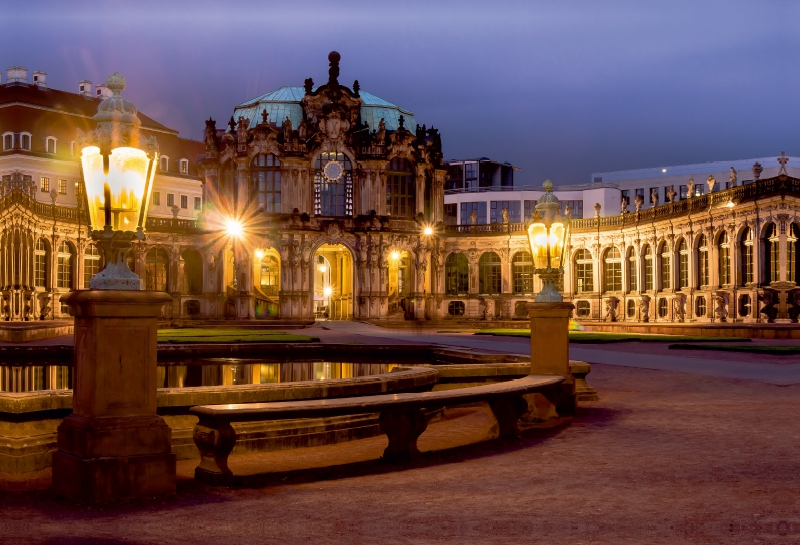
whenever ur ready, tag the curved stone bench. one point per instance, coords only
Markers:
(401, 417)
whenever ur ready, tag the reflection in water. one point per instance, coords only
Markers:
(213, 372)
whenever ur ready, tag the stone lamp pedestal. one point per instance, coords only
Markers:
(550, 347)
(114, 445)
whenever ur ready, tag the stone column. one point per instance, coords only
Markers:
(114, 445)
(550, 347)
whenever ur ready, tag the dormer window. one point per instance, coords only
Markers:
(8, 141)
(50, 144)
(184, 166)
(164, 166)
(25, 141)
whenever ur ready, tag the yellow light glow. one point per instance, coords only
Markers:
(327, 291)
(125, 182)
(730, 204)
(322, 268)
(428, 231)
(395, 255)
(234, 228)
(260, 254)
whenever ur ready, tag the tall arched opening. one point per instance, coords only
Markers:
(333, 282)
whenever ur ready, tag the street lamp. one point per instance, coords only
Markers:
(118, 176)
(547, 236)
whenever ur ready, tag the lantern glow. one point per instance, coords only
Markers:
(547, 238)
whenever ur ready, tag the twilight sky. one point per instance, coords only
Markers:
(560, 89)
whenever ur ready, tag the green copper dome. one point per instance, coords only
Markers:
(286, 102)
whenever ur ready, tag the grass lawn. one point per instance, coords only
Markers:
(200, 335)
(756, 349)
(589, 337)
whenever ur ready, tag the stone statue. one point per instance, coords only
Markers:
(505, 215)
(380, 136)
(690, 188)
(241, 129)
(769, 298)
(623, 206)
(733, 179)
(287, 129)
(264, 116)
(793, 300)
(612, 304)
(782, 160)
(308, 85)
(333, 71)
(638, 201)
(654, 196)
(301, 130)
(721, 310)
(473, 217)
(210, 134)
(679, 308)
(757, 170)
(671, 194)
(711, 182)
(44, 305)
(644, 308)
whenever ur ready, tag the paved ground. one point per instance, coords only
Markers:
(664, 457)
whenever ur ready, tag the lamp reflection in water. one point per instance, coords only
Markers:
(118, 177)
(547, 236)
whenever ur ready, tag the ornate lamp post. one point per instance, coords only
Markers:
(549, 313)
(547, 236)
(114, 445)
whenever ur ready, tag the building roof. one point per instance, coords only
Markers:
(285, 101)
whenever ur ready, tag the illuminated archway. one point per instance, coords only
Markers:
(333, 282)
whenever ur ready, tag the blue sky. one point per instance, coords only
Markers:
(560, 89)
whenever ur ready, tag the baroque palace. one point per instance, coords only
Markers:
(328, 202)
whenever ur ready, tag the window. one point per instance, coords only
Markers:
(633, 278)
(772, 254)
(64, 272)
(400, 188)
(583, 308)
(91, 264)
(653, 195)
(631, 308)
(451, 214)
(156, 270)
(62, 187)
(683, 191)
(456, 274)
(270, 275)
(156, 198)
(665, 263)
(185, 201)
(50, 144)
(496, 211)
(575, 209)
(747, 257)
(522, 273)
(333, 185)
(583, 271)
(640, 193)
(170, 199)
(612, 270)
(467, 208)
(40, 264)
(456, 308)
(626, 196)
(184, 166)
(470, 175)
(44, 184)
(649, 280)
(489, 275)
(702, 261)
(745, 305)
(265, 175)
(25, 140)
(164, 163)
(455, 177)
(8, 141)
(724, 259)
(793, 255)
(683, 265)
(663, 308)
(198, 203)
(667, 190)
(700, 307)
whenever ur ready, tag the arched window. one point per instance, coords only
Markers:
(266, 179)
(746, 246)
(64, 272)
(456, 274)
(793, 255)
(26, 141)
(40, 262)
(270, 275)
(163, 163)
(8, 141)
(683, 265)
(665, 263)
(91, 264)
(583, 271)
(333, 185)
(184, 166)
(157, 270)
(400, 188)
(772, 254)
(50, 144)
(489, 274)
(702, 261)
(649, 279)
(612, 270)
(522, 273)
(724, 259)
(633, 278)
